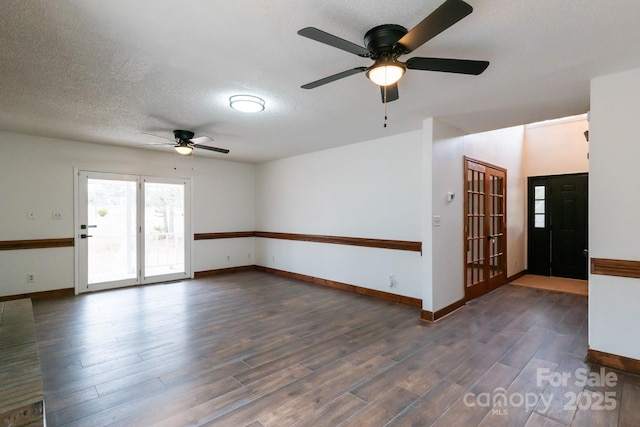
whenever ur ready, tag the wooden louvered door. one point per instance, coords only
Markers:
(485, 266)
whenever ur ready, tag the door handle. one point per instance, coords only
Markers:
(84, 236)
(585, 253)
(84, 227)
(491, 239)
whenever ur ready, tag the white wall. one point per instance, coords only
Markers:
(386, 189)
(447, 248)
(556, 147)
(36, 174)
(614, 207)
(502, 148)
(370, 190)
(428, 174)
(223, 200)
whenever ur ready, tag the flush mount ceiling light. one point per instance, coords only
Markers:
(386, 71)
(246, 103)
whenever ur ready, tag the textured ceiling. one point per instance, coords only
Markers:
(113, 71)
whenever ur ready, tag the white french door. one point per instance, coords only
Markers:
(131, 230)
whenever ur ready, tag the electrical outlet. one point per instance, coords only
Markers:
(392, 281)
(56, 215)
(273, 259)
(31, 277)
(248, 256)
(228, 257)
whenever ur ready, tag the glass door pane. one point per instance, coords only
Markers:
(475, 228)
(496, 225)
(108, 231)
(165, 225)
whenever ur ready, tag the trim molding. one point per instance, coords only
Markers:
(223, 235)
(414, 302)
(622, 363)
(431, 317)
(426, 316)
(515, 276)
(615, 267)
(218, 271)
(402, 245)
(56, 293)
(12, 245)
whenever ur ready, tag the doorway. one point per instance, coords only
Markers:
(558, 225)
(131, 230)
(485, 228)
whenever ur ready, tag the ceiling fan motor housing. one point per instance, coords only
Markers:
(380, 40)
(183, 135)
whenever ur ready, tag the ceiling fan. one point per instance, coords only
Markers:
(186, 141)
(384, 44)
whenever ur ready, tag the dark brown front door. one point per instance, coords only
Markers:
(485, 228)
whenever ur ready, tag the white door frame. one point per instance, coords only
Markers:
(187, 274)
(80, 246)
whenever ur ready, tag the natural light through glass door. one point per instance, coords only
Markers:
(111, 225)
(164, 225)
(131, 230)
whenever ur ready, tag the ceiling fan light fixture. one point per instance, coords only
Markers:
(386, 71)
(183, 148)
(246, 103)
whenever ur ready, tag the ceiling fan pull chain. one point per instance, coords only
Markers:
(385, 107)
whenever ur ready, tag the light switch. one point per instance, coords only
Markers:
(436, 220)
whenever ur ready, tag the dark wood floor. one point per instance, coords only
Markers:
(261, 350)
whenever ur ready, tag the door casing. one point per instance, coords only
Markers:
(79, 271)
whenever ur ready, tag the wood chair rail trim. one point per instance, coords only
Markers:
(615, 267)
(12, 245)
(402, 245)
(223, 235)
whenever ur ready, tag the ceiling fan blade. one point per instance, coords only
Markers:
(391, 93)
(334, 77)
(331, 40)
(203, 138)
(216, 149)
(450, 12)
(461, 66)
(163, 144)
(170, 141)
